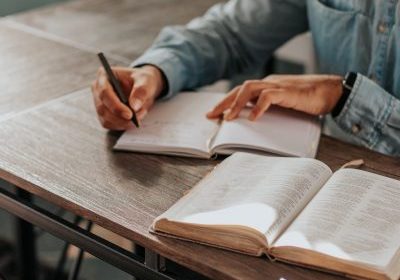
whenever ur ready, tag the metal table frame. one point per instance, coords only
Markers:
(21, 206)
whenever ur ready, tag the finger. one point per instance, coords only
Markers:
(265, 100)
(93, 88)
(249, 90)
(148, 103)
(145, 108)
(223, 105)
(110, 121)
(262, 105)
(100, 72)
(110, 99)
(141, 114)
(124, 77)
(99, 105)
(140, 92)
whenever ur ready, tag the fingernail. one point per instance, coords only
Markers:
(142, 114)
(102, 81)
(137, 104)
(252, 116)
(210, 114)
(126, 115)
(230, 116)
(226, 114)
(227, 117)
(213, 116)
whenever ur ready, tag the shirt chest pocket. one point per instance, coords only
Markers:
(344, 6)
(339, 27)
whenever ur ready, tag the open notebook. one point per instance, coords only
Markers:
(295, 210)
(179, 127)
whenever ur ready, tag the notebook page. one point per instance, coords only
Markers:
(263, 193)
(355, 216)
(280, 131)
(177, 124)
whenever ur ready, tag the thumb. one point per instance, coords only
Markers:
(139, 94)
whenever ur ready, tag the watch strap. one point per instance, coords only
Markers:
(347, 87)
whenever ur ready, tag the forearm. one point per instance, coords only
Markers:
(229, 39)
(372, 115)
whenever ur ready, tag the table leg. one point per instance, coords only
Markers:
(74, 273)
(87, 241)
(153, 260)
(63, 257)
(26, 246)
(139, 251)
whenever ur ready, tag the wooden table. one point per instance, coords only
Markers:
(59, 152)
(35, 70)
(120, 27)
(65, 157)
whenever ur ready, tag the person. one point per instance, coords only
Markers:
(356, 43)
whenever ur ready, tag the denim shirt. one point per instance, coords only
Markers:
(349, 35)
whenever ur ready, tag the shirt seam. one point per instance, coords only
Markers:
(379, 124)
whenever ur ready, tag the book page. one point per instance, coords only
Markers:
(177, 124)
(280, 131)
(263, 193)
(355, 217)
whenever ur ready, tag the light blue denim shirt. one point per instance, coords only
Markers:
(349, 35)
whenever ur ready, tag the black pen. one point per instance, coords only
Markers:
(116, 86)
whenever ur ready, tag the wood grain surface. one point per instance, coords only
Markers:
(121, 27)
(35, 70)
(60, 152)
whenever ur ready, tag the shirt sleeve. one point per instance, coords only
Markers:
(230, 38)
(373, 116)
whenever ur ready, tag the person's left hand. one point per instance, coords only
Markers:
(312, 94)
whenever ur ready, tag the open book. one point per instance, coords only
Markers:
(294, 210)
(179, 127)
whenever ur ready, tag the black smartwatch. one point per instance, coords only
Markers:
(347, 87)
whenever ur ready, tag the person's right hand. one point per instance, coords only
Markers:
(141, 85)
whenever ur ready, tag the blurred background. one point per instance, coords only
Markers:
(14, 6)
(54, 16)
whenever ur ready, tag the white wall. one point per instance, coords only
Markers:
(299, 50)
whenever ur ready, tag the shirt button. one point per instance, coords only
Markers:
(382, 27)
(355, 128)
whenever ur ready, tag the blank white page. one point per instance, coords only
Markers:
(280, 131)
(176, 125)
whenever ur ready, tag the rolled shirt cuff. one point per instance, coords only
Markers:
(168, 63)
(366, 111)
